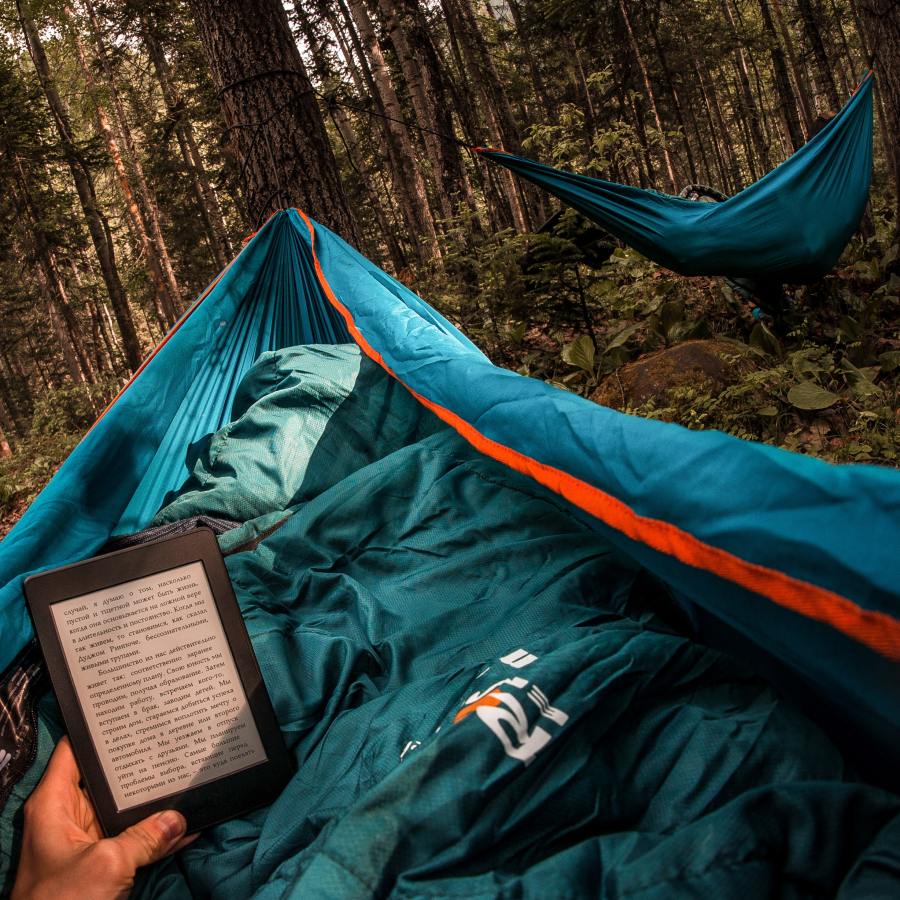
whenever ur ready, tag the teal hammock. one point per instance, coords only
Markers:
(789, 226)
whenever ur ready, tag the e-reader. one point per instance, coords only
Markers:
(158, 684)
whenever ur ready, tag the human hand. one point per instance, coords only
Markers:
(64, 854)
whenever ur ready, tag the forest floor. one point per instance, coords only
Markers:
(824, 379)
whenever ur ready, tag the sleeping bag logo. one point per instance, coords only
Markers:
(507, 715)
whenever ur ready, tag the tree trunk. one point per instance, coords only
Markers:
(537, 81)
(163, 301)
(786, 99)
(62, 317)
(8, 425)
(724, 131)
(205, 195)
(14, 423)
(504, 133)
(673, 93)
(750, 109)
(721, 167)
(648, 180)
(17, 385)
(99, 338)
(849, 62)
(651, 96)
(63, 338)
(345, 129)
(47, 377)
(84, 185)
(498, 207)
(800, 83)
(365, 87)
(391, 146)
(419, 64)
(882, 22)
(583, 92)
(270, 109)
(410, 175)
(827, 101)
(157, 244)
(740, 118)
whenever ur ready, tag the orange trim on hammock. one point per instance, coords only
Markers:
(876, 630)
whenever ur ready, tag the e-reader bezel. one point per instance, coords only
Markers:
(205, 804)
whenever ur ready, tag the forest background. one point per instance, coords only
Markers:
(142, 141)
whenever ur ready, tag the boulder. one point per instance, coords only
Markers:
(708, 365)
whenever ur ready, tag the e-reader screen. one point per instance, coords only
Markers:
(157, 685)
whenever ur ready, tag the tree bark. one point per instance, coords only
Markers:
(8, 424)
(84, 185)
(423, 73)
(800, 83)
(537, 80)
(786, 98)
(722, 129)
(882, 21)
(499, 212)
(504, 134)
(156, 244)
(344, 128)
(61, 316)
(827, 101)
(410, 179)
(673, 93)
(651, 96)
(165, 306)
(273, 120)
(750, 108)
(205, 195)
(10, 401)
(355, 61)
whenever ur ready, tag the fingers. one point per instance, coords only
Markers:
(62, 768)
(60, 776)
(152, 839)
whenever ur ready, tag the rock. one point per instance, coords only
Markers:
(708, 365)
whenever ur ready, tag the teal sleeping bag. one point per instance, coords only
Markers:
(491, 685)
(483, 698)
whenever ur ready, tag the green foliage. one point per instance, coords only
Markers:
(59, 420)
(826, 382)
(70, 409)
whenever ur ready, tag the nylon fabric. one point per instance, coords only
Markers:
(398, 562)
(789, 513)
(426, 574)
(118, 476)
(790, 226)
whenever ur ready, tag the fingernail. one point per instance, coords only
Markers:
(172, 823)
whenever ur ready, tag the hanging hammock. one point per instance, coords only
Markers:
(427, 544)
(791, 225)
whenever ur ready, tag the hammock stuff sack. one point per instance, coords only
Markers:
(518, 644)
(790, 226)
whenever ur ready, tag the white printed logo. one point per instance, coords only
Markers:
(518, 659)
(505, 715)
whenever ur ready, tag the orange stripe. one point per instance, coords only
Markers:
(489, 700)
(876, 630)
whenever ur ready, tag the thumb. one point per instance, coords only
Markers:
(151, 839)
